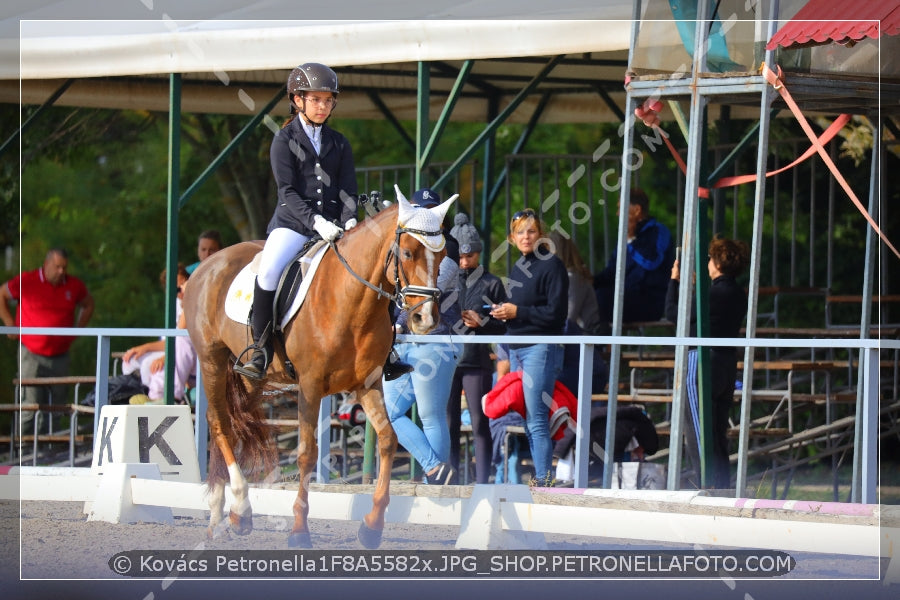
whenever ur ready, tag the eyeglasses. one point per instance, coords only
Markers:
(320, 101)
(528, 212)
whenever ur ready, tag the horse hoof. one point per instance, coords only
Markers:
(368, 537)
(241, 524)
(217, 534)
(301, 539)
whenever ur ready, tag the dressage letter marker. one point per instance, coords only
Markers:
(163, 435)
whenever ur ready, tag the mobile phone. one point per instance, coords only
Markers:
(678, 253)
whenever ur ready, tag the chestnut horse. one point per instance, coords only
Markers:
(338, 342)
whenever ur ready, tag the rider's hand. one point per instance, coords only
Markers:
(328, 230)
(350, 224)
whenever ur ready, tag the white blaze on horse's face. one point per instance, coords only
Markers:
(425, 316)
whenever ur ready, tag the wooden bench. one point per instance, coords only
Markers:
(778, 294)
(735, 432)
(72, 437)
(833, 300)
(788, 396)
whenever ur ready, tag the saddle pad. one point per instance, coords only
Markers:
(240, 292)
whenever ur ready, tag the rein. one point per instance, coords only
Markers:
(399, 296)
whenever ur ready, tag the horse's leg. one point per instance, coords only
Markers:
(221, 433)
(372, 401)
(240, 515)
(307, 452)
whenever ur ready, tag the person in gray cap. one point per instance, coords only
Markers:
(476, 290)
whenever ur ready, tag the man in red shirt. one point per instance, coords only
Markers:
(47, 297)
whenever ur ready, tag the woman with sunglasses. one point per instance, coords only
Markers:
(316, 182)
(538, 291)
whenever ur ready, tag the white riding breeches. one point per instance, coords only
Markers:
(282, 245)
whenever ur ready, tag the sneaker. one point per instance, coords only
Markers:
(445, 475)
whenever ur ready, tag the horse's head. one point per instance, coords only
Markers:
(419, 253)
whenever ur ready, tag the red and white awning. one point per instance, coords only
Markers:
(824, 21)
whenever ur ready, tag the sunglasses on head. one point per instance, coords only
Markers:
(528, 212)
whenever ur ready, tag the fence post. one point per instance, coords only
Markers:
(201, 427)
(101, 391)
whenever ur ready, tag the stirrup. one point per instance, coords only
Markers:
(252, 369)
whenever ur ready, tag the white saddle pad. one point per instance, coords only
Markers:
(240, 292)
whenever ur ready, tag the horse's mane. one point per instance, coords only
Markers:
(385, 218)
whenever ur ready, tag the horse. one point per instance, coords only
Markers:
(338, 341)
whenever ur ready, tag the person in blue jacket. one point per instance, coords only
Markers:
(316, 181)
(648, 264)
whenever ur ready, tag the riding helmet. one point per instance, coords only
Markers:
(312, 77)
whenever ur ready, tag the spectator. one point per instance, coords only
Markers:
(47, 297)
(477, 290)
(150, 359)
(209, 242)
(647, 266)
(316, 180)
(538, 290)
(727, 308)
(428, 385)
(583, 316)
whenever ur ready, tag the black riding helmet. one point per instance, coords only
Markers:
(311, 77)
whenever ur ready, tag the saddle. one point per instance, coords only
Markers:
(289, 283)
(292, 286)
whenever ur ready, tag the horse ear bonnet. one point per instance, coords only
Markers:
(428, 220)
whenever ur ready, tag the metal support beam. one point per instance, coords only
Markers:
(172, 232)
(615, 354)
(240, 137)
(765, 117)
(688, 244)
(864, 473)
(442, 121)
(422, 121)
(501, 118)
(50, 101)
(389, 115)
(520, 145)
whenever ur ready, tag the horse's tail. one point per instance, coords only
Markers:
(252, 441)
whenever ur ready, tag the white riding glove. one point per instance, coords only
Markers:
(350, 224)
(328, 230)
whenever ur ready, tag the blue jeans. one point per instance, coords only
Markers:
(429, 388)
(540, 365)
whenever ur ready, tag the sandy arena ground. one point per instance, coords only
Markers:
(64, 556)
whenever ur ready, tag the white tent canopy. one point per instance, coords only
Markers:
(80, 38)
(54, 49)
(234, 57)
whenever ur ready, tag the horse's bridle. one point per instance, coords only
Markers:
(429, 293)
(432, 294)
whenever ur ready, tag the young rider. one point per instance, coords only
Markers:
(316, 180)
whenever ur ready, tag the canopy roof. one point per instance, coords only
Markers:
(823, 21)
(234, 55)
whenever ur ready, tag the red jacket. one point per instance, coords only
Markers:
(508, 395)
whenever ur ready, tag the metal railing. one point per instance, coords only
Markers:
(867, 409)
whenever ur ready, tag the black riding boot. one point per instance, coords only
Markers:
(394, 367)
(261, 322)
